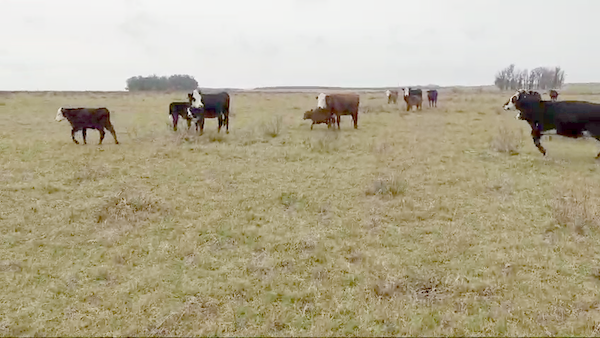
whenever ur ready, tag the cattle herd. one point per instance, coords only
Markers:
(572, 118)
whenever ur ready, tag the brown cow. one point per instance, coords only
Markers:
(392, 96)
(413, 97)
(340, 104)
(319, 115)
(553, 94)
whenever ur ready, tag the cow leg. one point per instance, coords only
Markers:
(102, 134)
(202, 125)
(84, 134)
(355, 119)
(73, 131)
(339, 117)
(175, 118)
(537, 135)
(311, 126)
(111, 129)
(189, 122)
(227, 123)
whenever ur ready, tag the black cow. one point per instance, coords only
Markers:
(432, 97)
(572, 119)
(179, 109)
(553, 95)
(413, 97)
(84, 118)
(206, 106)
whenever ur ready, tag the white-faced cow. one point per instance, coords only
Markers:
(432, 95)
(572, 119)
(553, 95)
(392, 96)
(87, 118)
(177, 110)
(340, 104)
(206, 106)
(413, 97)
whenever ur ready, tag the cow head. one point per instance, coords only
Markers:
(388, 93)
(406, 91)
(195, 98)
(59, 115)
(194, 113)
(308, 114)
(521, 97)
(322, 100)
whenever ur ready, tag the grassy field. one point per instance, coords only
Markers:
(446, 221)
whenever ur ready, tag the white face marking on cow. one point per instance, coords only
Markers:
(511, 104)
(197, 103)
(59, 115)
(321, 102)
(406, 91)
(189, 111)
(388, 93)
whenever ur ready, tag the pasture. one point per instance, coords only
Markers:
(445, 221)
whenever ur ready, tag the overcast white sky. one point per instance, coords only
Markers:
(97, 45)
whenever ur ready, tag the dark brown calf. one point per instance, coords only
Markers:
(553, 95)
(87, 118)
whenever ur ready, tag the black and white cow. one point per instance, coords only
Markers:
(87, 118)
(177, 110)
(206, 106)
(572, 119)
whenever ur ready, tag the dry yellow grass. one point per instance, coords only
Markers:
(446, 221)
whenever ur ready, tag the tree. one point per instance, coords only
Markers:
(175, 82)
(543, 78)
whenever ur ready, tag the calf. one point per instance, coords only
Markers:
(413, 97)
(319, 115)
(553, 95)
(573, 119)
(206, 106)
(392, 96)
(83, 118)
(432, 97)
(179, 109)
(340, 104)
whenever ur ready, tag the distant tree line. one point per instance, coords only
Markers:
(542, 78)
(162, 83)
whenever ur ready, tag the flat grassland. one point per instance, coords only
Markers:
(446, 221)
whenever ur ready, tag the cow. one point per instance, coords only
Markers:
(207, 106)
(319, 115)
(340, 104)
(179, 109)
(413, 97)
(573, 119)
(553, 95)
(392, 96)
(87, 118)
(432, 97)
